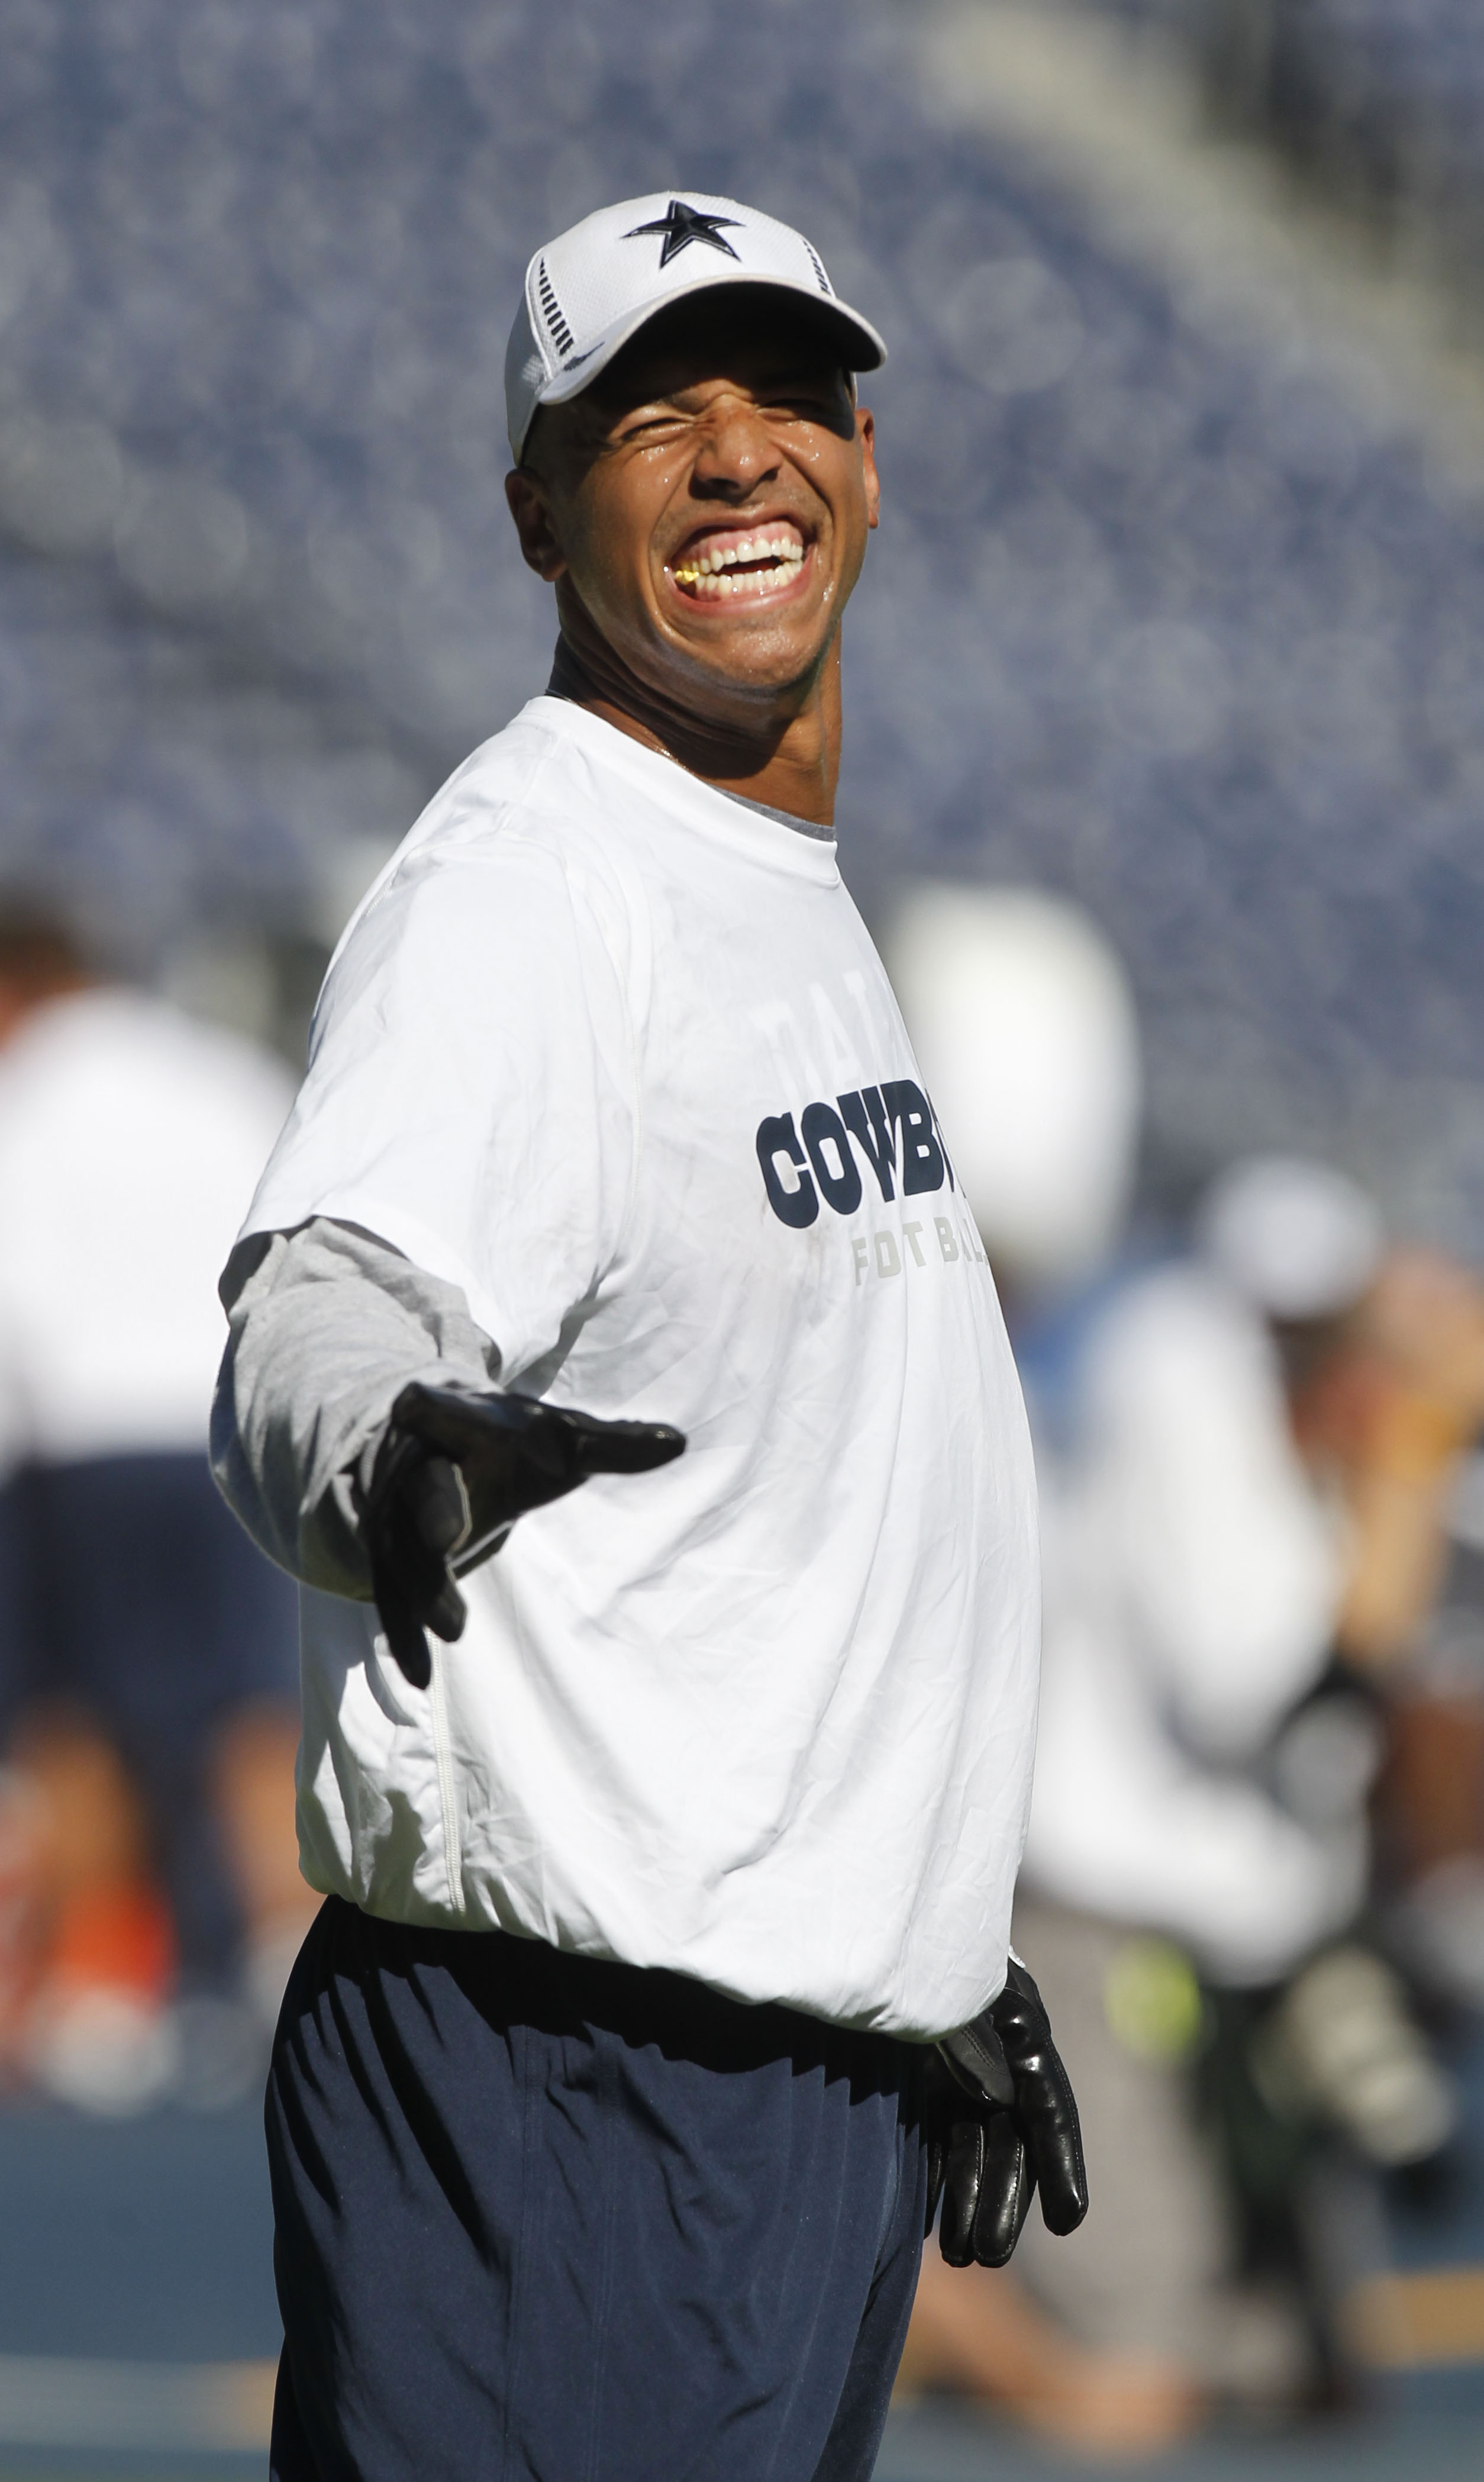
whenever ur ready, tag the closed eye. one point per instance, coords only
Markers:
(648, 428)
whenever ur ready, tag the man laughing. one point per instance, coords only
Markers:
(662, 1982)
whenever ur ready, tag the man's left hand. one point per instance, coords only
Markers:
(1002, 2121)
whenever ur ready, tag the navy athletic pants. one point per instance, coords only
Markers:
(541, 2219)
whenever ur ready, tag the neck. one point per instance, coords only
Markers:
(790, 763)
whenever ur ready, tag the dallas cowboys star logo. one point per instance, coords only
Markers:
(682, 226)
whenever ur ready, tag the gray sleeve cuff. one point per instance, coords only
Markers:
(327, 1325)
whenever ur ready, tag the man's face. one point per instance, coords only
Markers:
(704, 506)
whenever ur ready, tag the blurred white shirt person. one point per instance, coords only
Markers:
(1192, 1582)
(1192, 1574)
(130, 1140)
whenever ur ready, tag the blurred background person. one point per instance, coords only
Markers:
(1394, 1419)
(149, 1665)
(1199, 1832)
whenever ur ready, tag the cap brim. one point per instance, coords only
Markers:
(862, 348)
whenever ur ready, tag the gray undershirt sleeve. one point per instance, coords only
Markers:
(327, 1326)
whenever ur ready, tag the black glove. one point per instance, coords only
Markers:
(1002, 2118)
(457, 1467)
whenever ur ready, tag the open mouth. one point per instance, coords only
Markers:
(742, 562)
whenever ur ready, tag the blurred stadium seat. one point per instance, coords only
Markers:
(1157, 615)
(1387, 95)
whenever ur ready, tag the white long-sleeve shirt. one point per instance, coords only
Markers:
(610, 1057)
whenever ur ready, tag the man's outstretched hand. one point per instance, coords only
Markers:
(1001, 2122)
(457, 1467)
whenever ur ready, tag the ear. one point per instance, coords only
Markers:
(866, 432)
(531, 509)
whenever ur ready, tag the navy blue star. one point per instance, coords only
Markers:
(682, 226)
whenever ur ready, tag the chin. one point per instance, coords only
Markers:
(764, 662)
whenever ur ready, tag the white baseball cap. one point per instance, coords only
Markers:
(594, 287)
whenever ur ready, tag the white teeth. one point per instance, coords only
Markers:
(706, 572)
(750, 547)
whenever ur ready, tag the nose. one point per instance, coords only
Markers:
(736, 452)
